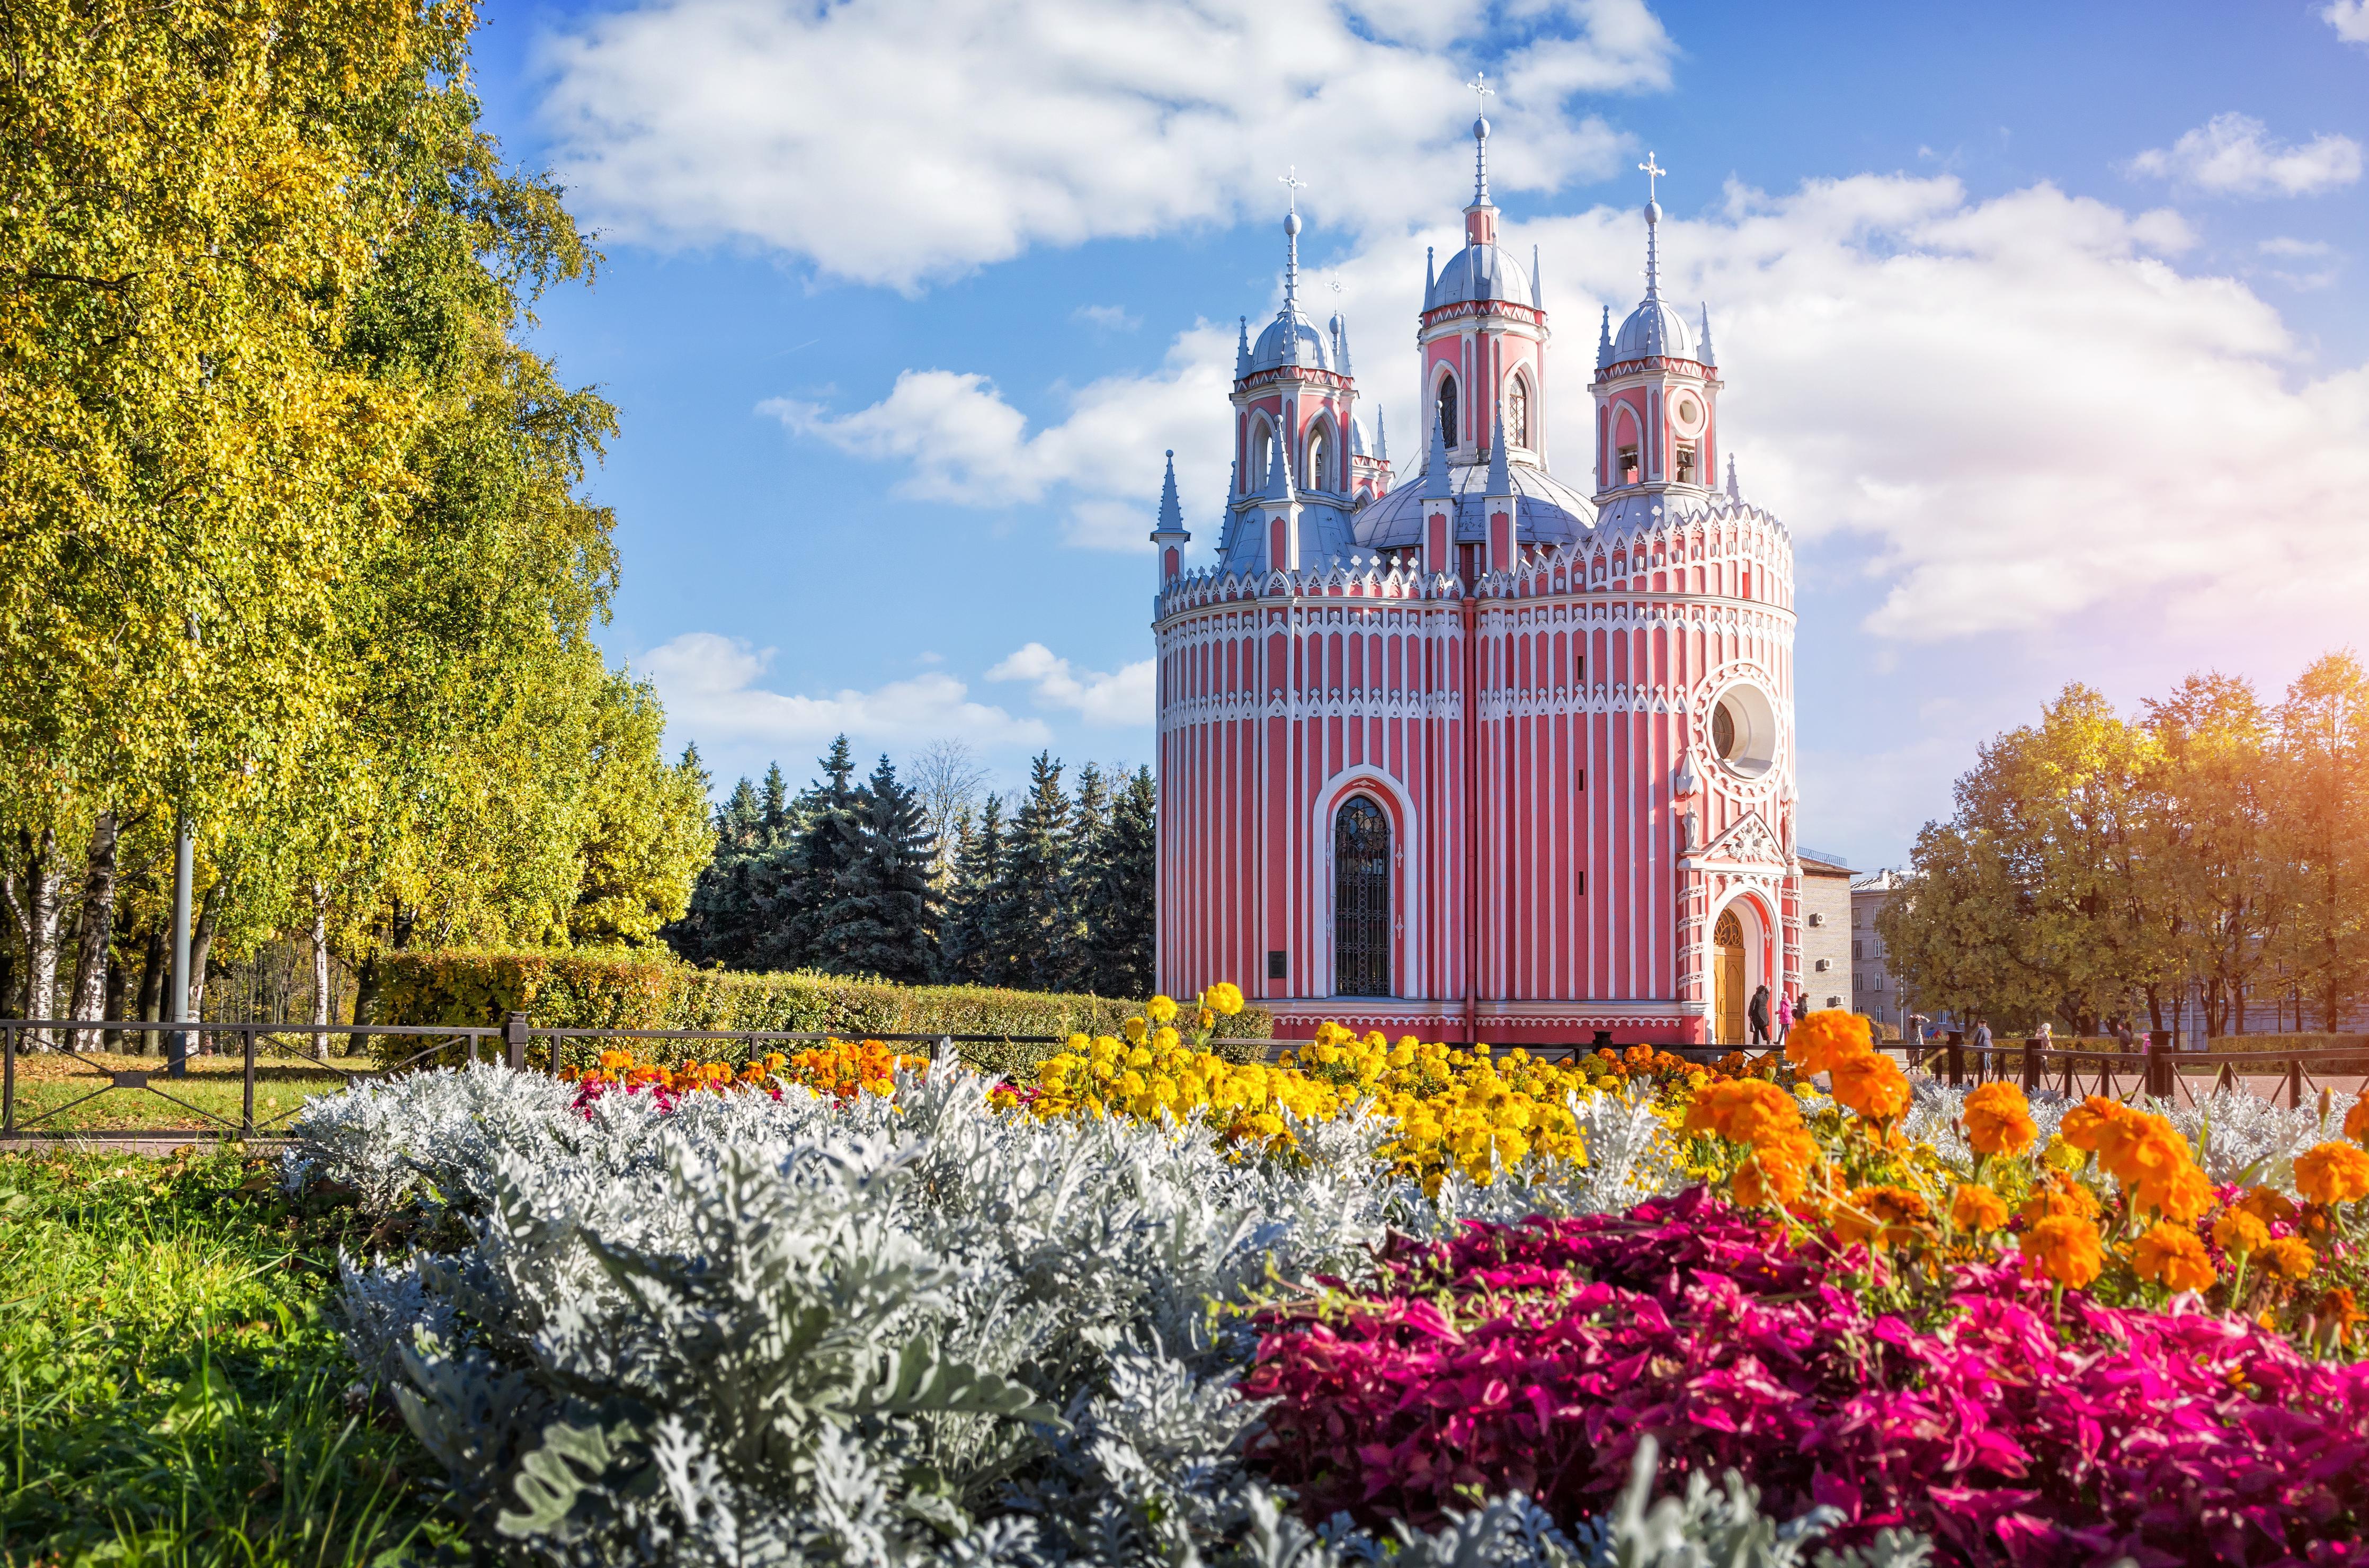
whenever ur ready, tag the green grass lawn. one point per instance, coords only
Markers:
(173, 1391)
(51, 1079)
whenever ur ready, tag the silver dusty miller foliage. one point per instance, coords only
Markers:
(908, 1330)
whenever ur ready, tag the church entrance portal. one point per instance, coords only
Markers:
(1361, 900)
(1727, 977)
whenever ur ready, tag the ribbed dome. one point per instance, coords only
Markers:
(1654, 329)
(1546, 511)
(1479, 272)
(1267, 353)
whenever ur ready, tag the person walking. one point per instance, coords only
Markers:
(1757, 1014)
(1784, 1014)
(1981, 1043)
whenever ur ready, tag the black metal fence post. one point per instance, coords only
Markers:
(2031, 1065)
(2294, 1083)
(514, 1041)
(8, 1079)
(2159, 1064)
(1954, 1058)
(246, 1082)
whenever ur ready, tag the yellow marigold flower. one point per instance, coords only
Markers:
(1225, 998)
(1135, 1029)
(1160, 1010)
(2238, 1232)
(1975, 1207)
(2290, 1257)
(1998, 1118)
(1870, 1083)
(2174, 1256)
(2332, 1173)
(1817, 1043)
(2065, 1249)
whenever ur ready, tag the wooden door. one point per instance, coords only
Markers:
(1727, 977)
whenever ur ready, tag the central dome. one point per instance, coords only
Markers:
(1268, 352)
(1480, 272)
(1652, 329)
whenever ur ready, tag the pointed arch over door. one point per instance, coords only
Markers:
(1361, 899)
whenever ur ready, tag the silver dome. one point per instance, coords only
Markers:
(1267, 353)
(1546, 511)
(1654, 329)
(1479, 272)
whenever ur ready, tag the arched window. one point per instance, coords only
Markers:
(1262, 457)
(1320, 455)
(1361, 900)
(1446, 411)
(1518, 414)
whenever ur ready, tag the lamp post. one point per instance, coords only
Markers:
(177, 1041)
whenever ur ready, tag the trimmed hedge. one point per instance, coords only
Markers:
(611, 989)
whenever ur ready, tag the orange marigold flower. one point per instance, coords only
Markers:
(2239, 1232)
(1881, 1217)
(1999, 1119)
(1826, 1036)
(1776, 1170)
(2332, 1173)
(2139, 1145)
(2290, 1257)
(2174, 1256)
(1738, 1108)
(2268, 1205)
(2058, 1196)
(2086, 1123)
(1974, 1209)
(2067, 1249)
(1871, 1084)
(2182, 1193)
(2356, 1120)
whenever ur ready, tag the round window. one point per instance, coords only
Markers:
(1688, 412)
(1744, 731)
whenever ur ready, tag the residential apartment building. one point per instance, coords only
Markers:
(1826, 937)
(1875, 989)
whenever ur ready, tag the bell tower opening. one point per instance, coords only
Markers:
(1361, 900)
(1447, 409)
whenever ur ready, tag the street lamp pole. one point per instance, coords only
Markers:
(177, 1041)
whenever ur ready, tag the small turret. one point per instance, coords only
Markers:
(1604, 341)
(1169, 537)
(1707, 355)
(1242, 351)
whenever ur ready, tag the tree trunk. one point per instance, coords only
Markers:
(91, 955)
(202, 941)
(321, 1008)
(152, 965)
(31, 889)
(119, 979)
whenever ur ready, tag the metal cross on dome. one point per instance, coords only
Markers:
(1291, 177)
(1653, 171)
(1479, 86)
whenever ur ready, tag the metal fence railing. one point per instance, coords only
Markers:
(2156, 1070)
(262, 1049)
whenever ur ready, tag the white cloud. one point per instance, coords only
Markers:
(1110, 318)
(1122, 697)
(710, 687)
(890, 142)
(2233, 155)
(963, 442)
(2349, 19)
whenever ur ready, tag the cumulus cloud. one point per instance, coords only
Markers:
(1997, 414)
(1110, 318)
(2349, 19)
(891, 142)
(2233, 155)
(711, 686)
(1121, 697)
(960, 441)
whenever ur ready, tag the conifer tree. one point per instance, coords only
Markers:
(1087, 862)
(1118, 910)
(881, 917)
(1029, 926)
(966, 947)
(810, 885)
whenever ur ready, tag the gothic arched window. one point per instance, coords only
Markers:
(1446, 411)
(1361, 900)
(1262, 457)
(1320, 455)
(1518, 414)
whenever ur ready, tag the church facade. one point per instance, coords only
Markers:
(1474, 755)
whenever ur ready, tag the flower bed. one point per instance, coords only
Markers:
(1153, 1305)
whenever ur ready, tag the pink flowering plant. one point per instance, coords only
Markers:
(1975, 1403)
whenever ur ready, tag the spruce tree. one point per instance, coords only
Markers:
(882, 923)
(718, 926)
(773, 807)
(1119, 907)
(804, 905)
(1032, 902)
(966, 947)
(1088, 861)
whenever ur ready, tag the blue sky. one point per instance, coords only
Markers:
(2041, 325)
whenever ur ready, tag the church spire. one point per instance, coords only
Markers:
(1604, 341)
(1480, 88)
(1652, 222)
(1436, 486)
(1242, 350)
(1278, 476)
(1734, 494)
(1172, 512)
(1382, 437)
(1501, 478)
(1291, 264)
(1708, 355)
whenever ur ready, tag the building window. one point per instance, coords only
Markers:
(1262, 458)
(1857, 950)
(1361, 900)
(1319, 463)
(1624, 467)
(1446, 412)
(1518, 414)
(1685, 463)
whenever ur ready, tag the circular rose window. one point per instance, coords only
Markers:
(1689, 413)
(1744, 731)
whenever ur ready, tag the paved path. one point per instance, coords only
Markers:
(156, 1145)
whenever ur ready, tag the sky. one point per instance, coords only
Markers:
(2041, 328)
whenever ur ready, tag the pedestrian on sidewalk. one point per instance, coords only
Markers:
(1784, 1014)
(1757, 1014)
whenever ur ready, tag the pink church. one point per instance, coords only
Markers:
(1476, 756)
